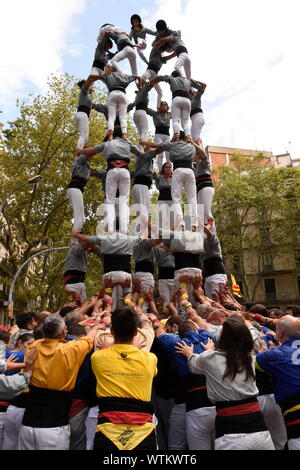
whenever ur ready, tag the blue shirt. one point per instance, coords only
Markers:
(19, 358)
(168, 343)
(283, 363)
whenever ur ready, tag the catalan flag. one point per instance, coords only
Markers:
(235, 287)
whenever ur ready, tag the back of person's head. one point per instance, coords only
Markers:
(4, 336)
(248, 305)
(25, 320)
(76, 330)
(117, 132)
(173, 321)
(23, 338)
(275, 313)
(259, 308)
(106, 24)
(53, 326)
(161, 25)
(124, 324)
(290, 326)
(68, 308)
(38, 332)
(81, 83)
(237, 343)
(43, 315)
(185, 327)
(181, 135)
(73, 317)
(175, 74)
(292, 310)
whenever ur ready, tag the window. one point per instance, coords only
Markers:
(297, 258)
(265, 236)
(270, 289)
(267, 262)
(236, 264)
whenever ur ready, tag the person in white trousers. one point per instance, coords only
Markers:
(138, 33)
(124, 45)
(161, 121)
(85, 104)
(140, 103)
(197, 113)
(163, 185)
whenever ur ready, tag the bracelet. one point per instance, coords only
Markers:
(108, 290)
(182, 284)
(109, 301)
(155, 321)
(187, 305)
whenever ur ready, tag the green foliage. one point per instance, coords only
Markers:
(42, 141)
(256, 208)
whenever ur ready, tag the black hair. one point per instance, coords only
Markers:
(295, 309)
(185, 327)
(176, 320)
(117, 132)
(259, 308)
(68, 308)
(136, 17)
(181, 135)
(38, 332)
(124, 324)
(106, 24)
(24, 337)
(237, 343)
(76, 330)
(81, 83)
(161, 25)
(4, 336)
(175, 74)
(163, 167)
(24, 319)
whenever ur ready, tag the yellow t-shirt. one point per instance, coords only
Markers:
(124, 371)
(57, 363)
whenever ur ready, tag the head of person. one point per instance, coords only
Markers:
(216, 317)
(81, 83)
(136, 20)
(43, 315)
(66, 309)
(287, 327)
(173, 323)
(167, 170)
(108, 44)
(293, 310)
(76, 330)
(140, 83)
(27, 321)
(237, 343)
(54, 327)
(175, 74)
(275, 313)
(37, 332)
(106, 24)
(259, 308)
(124, 324)
(74, 317)
(163, 108)
(181, 135)
(4, 336)
(117, 132)
(185, 327)
(24, 341)
(161, 26)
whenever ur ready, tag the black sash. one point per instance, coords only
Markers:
(165, 130)
(182, 93)
(84, 109)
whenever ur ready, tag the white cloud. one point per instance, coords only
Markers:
(35, 34)
(247, 53)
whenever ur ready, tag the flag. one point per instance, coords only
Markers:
(235, 287)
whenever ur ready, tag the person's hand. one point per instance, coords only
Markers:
(138, 46)
(29, 361)
(137, 284)
(11, 363)
(197, 281)
(209, 345)
(184, 349)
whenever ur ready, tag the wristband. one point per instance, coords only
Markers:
(187, 305)
(141, 300)
(149, 299)
(155, 321)
(257, 316)
(127, 301)
(184, 296)
(109, 301)
(108, 290)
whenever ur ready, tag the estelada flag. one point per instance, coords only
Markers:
(235, 287)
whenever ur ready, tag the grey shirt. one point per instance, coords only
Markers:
(116, 79)
(212, 248)
(179, 151)
(143, 251)
(196, 100)
(142, 97)
(120, 39)
(13, 385)
(81, 168)
(164, 258)
(76, 259)
(159, 119)
(114, 244)
(117, 149)
(212, 364)
(161, 182)
(140, 33)
(144, 164)
(85, 97)
(178, 83)
(202, 167)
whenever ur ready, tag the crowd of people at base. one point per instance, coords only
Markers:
(164, 356)
(89, 377)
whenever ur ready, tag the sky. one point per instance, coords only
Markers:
(246, 52)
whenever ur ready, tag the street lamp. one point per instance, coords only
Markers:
(10, 308)
(32, 180)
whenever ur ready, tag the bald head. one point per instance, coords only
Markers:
(288, 327)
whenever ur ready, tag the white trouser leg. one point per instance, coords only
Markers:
(191, 271)
(166, 215)
(294, 444)
(78, 430)
(12, 426)
(205, 198)
(141, 198)
(117, 105)
(162, 139)
(176, 191)
(127, 53)
(147, 282)
(82, 123)
(118, 290)
(180, 112)
(177, 427)
(44, 438)
(148, 75)
(250, 441)
(124, 189)
(183, 60)
(213, 284)
(140, 119)
(274, 420)
(90, 425)
(143, 43)
(2, 418)
(76, 199)
(200, 428)
(197, 123)
(189, 184)
(165, 289)
(118, 178)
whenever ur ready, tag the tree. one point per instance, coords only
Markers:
(42, 141)
(256, 208)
